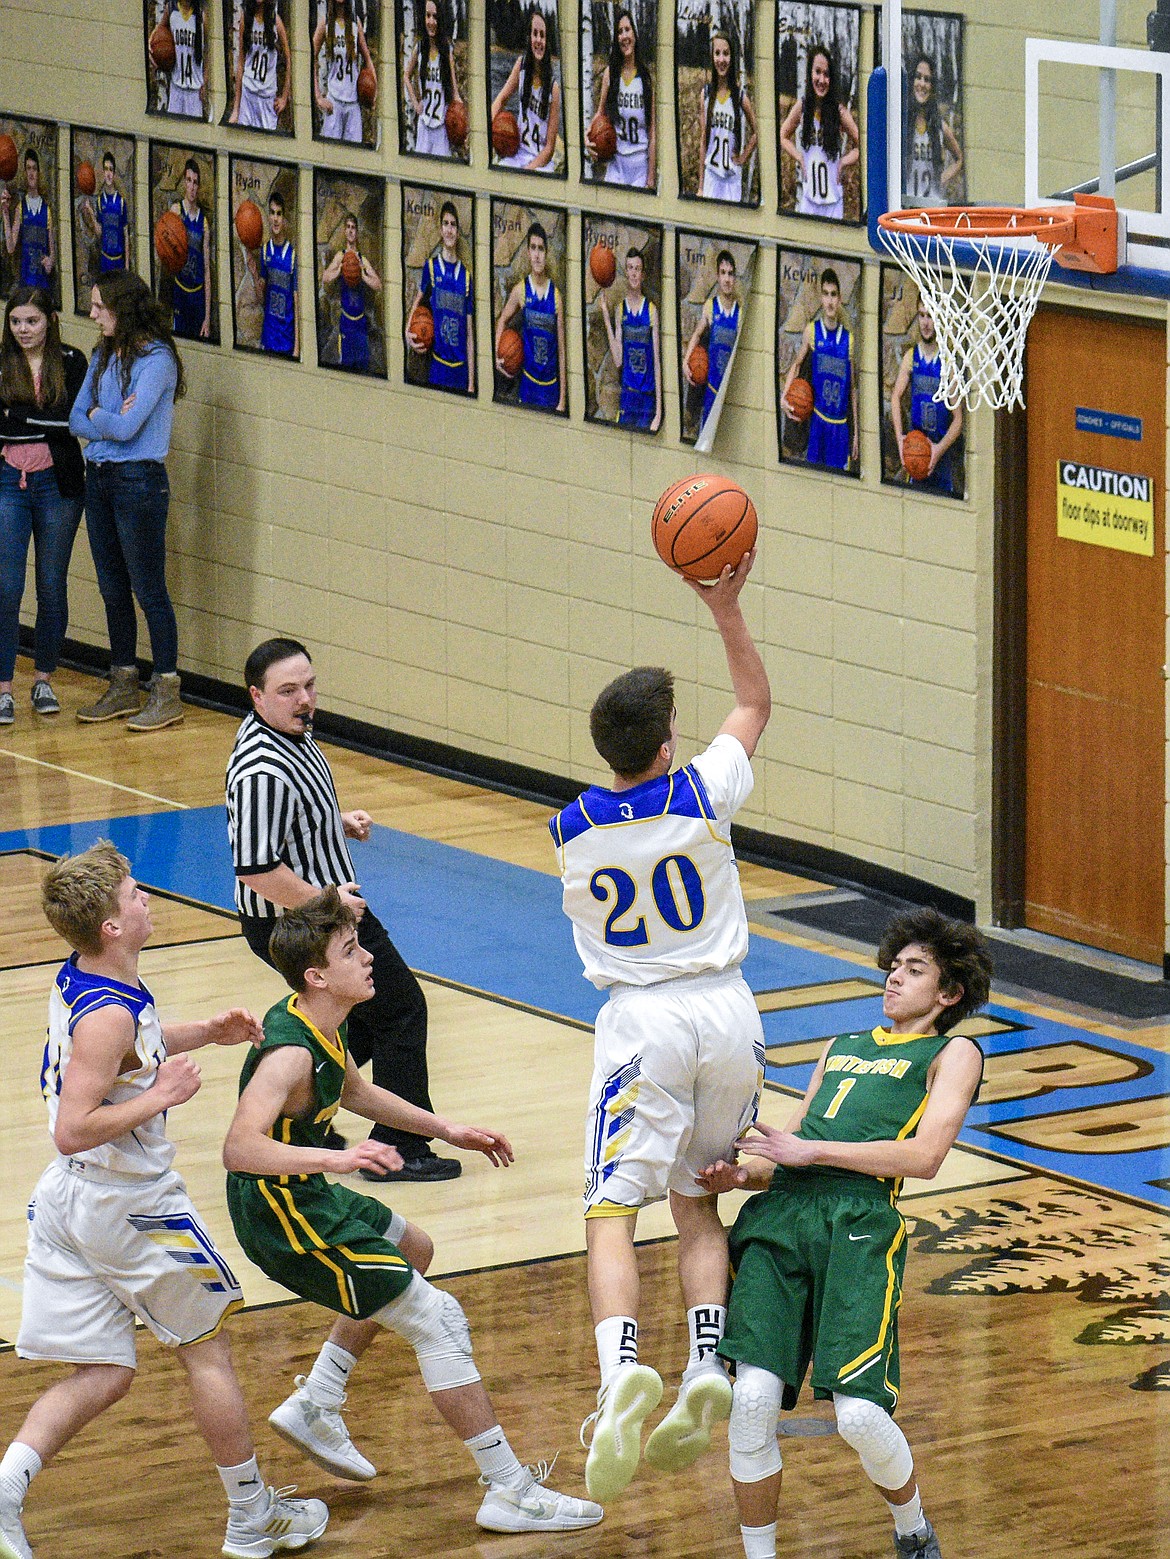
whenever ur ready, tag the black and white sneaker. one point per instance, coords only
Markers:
(44, 700)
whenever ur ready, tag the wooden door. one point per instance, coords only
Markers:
(1096, 633)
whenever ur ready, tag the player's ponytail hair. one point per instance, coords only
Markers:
(197, 8)
(267, 10)
(140, 323)
(350, 30)
(959, 950)
(16, 380)
(641, 68)
(829, 106)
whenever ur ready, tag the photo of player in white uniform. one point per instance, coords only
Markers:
(432, 52)
(528, 85)
(259, 64)
(618, 43)
(344, 45)
(718, 136)
(188, 89)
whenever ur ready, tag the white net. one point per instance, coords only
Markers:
(981, 293)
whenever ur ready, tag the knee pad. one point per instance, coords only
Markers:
(433, 1323)
(754, 1451)
(873, 1434)
(396, 1229)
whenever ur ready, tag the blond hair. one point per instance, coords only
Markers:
(79, 892)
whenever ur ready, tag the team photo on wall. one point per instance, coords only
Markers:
(529, 268)
(818, 304)
(817, 93)
(265, 272)
(258, 64)
(619, 118)
(434, 79)
(29, 254)
(718, 137)
(349, 234)
(621, 267)
(182, 256)
(102, 170)
(346, 70)
(177, 43)
(438, 288)
(922, 440)
(714, 275)
(526, 111)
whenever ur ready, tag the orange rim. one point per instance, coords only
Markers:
(1051, 227)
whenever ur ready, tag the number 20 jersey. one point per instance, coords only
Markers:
(650, 879)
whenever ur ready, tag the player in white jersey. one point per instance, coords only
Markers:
(430, 83)
(535, 78)
(652, 890)
(112, 1233)
(727, 130)
(930, 142)
(346, 54)
(188, 88)
(814, 134)
(261, 47)
(626, 96)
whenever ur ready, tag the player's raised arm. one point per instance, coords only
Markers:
(749, 678)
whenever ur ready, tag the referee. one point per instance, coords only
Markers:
(288, 840)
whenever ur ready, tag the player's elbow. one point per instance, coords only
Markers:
(69, 1138)
(235, 1157)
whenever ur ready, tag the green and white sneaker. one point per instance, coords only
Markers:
(622, 1407)
(278, 1526)
(685, 1433)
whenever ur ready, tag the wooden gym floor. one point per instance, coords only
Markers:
(1036, 1325)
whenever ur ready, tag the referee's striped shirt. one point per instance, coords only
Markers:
(282, 809)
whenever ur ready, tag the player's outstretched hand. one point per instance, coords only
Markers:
(778, 1147)
(367, 1155)
(176, 1081)
(235, 1027)
(721, 1176)
(492, 1144)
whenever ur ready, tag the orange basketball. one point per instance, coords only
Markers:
(162, 47)
(170, 242)
(351, 268)
(422, 326)
(916, 453)
(505, 134)
(367, 87)
(511, 352)
(603, 135)
(249, 224)
(8, 159)
(602, 265)
(86, 178)
(702, 524)
(698, 365)
(456, 123)
(799, 400)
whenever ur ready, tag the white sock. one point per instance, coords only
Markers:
(617, 1344)
(759, 1542)
(18, 1468)
(908, 1518)
(705, 1324)
(496, 1459)
(243, 1483)
(329, 1376)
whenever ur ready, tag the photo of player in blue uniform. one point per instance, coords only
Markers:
(447, 289)
(827, 345)
(28, 227)
(107, 217)
(714, 274)
(635, 345)
(919, 375)
(353, 330)
(276, 281)
(719, 324)
(537, 305)
(191, 286)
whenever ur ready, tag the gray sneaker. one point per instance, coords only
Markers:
(44, 700)
(163, 707)
(919, 1545)
(122, 697)
(321, 1433)
(281, 1524)
(13, 1543)
(7, 709)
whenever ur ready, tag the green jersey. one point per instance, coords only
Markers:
(286, 1024)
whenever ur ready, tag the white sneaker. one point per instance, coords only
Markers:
(13, 1543)
(685, 1433)
(281, 1525)
(321, 1433)
(622, 1407)
(535, 1508)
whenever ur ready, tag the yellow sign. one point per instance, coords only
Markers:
(1107, 508)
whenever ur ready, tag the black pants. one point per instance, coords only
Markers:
(390, 1029)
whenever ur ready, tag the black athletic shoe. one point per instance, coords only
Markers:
(428, 1166)
(334, 1141)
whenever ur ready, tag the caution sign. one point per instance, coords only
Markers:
(1106, 508)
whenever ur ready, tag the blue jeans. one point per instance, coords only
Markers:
(40, 512)
(126, 515)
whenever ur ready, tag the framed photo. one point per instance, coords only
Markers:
(819, 143)
(434, 79)
(714, 275)
(438, 288)
(621, 316)
(529, 271)
(265, 271)
(933, 160)
(30, 255)
(349, 236)
(714, 64)
(346, 70)
(818, 302)
(102, 182)
(619, 112)
(183, 184)
(257, 57)
(526, 112)
(910, 380)
(176, 38)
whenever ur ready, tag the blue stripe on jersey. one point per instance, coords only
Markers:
(682, 794)
(84, 993)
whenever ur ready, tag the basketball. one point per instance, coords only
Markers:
(86, 178)
(916, 453)
(351, 268)
(505, 134)
(8, 158)
(162, 47)
(603, 135)
(698, 365)
(456, 123)
(422, 326)
(249, 224)
(702, 524)
(602, 265)
(511, 352)
(367, 87)
(170, 242)
(799, 400)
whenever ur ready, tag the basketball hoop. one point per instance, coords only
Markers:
(980, 271)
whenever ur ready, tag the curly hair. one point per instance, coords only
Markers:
(141, 322)
(960, 951)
